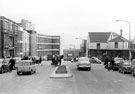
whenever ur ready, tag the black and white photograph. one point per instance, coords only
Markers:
(67, 47)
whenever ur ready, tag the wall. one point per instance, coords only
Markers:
(121, 45)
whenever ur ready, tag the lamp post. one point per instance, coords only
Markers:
(84, 46)
(129, 36)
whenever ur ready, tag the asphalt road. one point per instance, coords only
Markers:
(96, 81)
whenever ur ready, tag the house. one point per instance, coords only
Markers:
(110, 43)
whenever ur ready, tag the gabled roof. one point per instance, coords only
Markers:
(99, 36)
(119, 39)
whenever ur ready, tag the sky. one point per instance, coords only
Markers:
(73, 19)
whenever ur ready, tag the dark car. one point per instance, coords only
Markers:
(125, 66)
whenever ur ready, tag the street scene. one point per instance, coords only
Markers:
(67, 47)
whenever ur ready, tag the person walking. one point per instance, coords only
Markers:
(40, 60)
(11, 64)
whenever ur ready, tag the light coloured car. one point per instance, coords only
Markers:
(84, 62)
(125, 66)
(95, 60)
(26, 66)
(4, 67)
(17, 59)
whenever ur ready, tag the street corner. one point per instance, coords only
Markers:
(61, 75)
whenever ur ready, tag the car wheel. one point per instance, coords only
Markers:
(18, 73)
(89, 69)
(133, 73)
(123, 71)
(119, 70)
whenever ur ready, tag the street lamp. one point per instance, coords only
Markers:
(129, 36)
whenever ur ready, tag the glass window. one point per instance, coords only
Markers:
(116, 44)
(98, 45)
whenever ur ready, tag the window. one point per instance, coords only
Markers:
(98, 45)
(116, 44)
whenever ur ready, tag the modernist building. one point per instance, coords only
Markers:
(23, 42)
(48, 45)
(8, 37)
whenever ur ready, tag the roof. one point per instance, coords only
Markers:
(99, 36)
(119, 39)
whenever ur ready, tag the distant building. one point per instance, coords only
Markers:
(23, 42)
(71, 53)
(8, 37)
(30, 28)
(48, 45)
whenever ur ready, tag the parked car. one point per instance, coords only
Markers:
(83, 62)
(125, 66)
(4, 67)
(95, 60)
(26, 66)
(133, 67)
(44, 58)
(117, 61)
(17, 59)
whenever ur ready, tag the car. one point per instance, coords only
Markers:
(117, 61)
(4, 67)
(83, 62)
(125, 66)
(26, 66)
(133, 67)
(95, 60)
(17, 59)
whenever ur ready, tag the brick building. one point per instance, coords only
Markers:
(8, 37)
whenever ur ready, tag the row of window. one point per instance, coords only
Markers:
(115, 45)
(10, 26)
(42, 47)
(47, 40)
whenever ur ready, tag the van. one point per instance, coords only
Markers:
(26, 66)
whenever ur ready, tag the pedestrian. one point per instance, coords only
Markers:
(112, 63)
(11, 64)
(60, 59)
(53, 60)
(40, 60)
(106, 62)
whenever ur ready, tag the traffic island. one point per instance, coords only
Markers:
(61, 71)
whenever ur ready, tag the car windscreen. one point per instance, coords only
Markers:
(83, 59)
(24, 63)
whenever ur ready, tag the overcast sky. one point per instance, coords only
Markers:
(72, 18)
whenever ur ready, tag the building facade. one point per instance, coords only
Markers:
(8, 37)
(48, 45)
(108, 43)
(23, 42)
(30, 28)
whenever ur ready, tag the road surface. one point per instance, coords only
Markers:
(96, 81)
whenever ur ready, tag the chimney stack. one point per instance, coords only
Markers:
(121, 32)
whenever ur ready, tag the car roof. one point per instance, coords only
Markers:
(26, 61)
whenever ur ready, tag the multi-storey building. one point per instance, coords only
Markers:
(48, 45)
(23, 42)
(8, 37)
(30, 28)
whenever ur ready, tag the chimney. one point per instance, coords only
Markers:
(121, 32)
